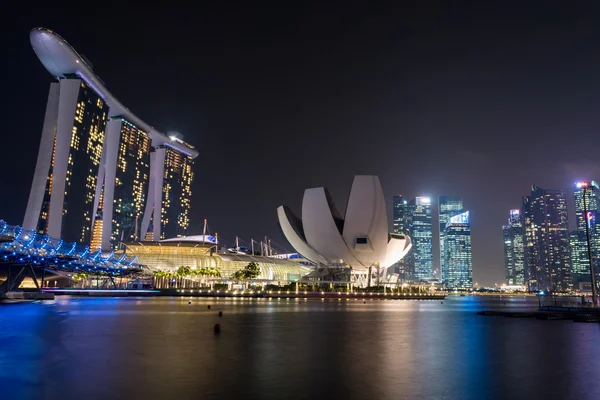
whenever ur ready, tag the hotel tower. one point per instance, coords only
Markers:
(103, 175)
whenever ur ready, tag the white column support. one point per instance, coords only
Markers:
(149, 198)
(158, 186)
(111, 150)
(69, 91)
(154, 199)
(40, 177)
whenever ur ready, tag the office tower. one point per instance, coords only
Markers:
(448, 206)
(592, 202)
(580, 261)
(514, 249)
(400, 226)
(94, 174)
(457, 252)
(420, 258)
(581, 266)
(547, 263)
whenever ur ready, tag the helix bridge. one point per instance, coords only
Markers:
(33, 251)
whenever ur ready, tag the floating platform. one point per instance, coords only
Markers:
(573, 314)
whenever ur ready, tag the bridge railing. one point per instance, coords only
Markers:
(36, 248)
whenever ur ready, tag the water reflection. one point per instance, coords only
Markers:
(273, 349)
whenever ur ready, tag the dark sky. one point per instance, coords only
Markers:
(477, 99)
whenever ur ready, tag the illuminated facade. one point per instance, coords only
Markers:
(513, 234)
(400, 226)
(590, 191)
(72, 142)
(176, 194)
(94, 177)
(580, 261)
(457, 252)
(547, 264)
(132, 178)
(448, 207)
(420, 228)
(189, 252)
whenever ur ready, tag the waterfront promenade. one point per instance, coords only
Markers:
(283, 294)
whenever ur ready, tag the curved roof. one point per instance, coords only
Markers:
(61, 60)
(208, 239)
(359, 240)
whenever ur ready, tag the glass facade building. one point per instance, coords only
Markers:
(590, 192)
(514, 251)
(448, 206)
(457, 252)
(420, 228)
(580, 261)
(131, 183)
(177, 194)
(547, 250)
(400, 226)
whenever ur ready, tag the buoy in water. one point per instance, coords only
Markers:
(217, 328)
(220, 313)
(209, 306)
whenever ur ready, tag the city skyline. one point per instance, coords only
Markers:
(431, 105)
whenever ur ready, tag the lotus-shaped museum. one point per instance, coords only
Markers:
(360, 239)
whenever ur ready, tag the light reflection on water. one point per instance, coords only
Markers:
(290, 349)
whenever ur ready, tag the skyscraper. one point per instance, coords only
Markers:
(400, 226)
(579, 250)
(176, 194)
(514, 249)
(547, 264)
(449, 206)
(420, 258)
(580, 262)
(592, 202)
(93, 175)
(457, 252)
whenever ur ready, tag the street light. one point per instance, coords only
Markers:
(589, 247)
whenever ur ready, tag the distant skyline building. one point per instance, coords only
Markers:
(102, 174)
(580, 262)
(420, 227)
(514, 251)
(457, 252)
(448, 207)
(547, 251)
(400, 226)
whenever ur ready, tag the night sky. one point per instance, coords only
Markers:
(443, 98)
